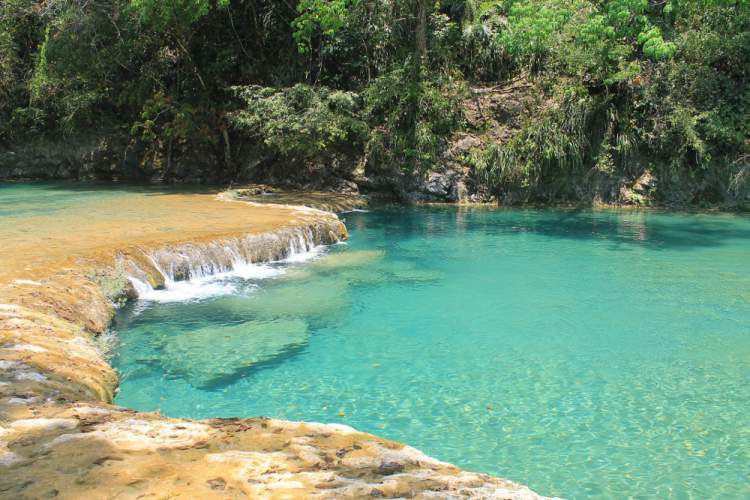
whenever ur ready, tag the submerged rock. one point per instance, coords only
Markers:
(391, 272)
(320, 299)
(208, 356)
(408, 272)
(346, 260)
(361, 268)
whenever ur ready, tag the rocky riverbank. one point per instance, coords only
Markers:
(61, 437)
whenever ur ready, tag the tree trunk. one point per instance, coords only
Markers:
(420, 59)
(227, 149)
(420, 34)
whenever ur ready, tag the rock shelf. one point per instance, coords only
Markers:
(61, 437)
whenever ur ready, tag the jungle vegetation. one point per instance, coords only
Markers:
(384, 82)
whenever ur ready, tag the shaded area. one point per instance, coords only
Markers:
(328, 201)
(652, 228)
(206, 356)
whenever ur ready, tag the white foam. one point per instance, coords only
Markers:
(304, 255)
(247, 272)
(204, 287)
(185, 291)
(211, 279)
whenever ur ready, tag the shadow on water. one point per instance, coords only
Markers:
(621, 229)
(183, 318)
(218, 384)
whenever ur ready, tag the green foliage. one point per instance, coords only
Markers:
(533, 27)
(654, 45)
(164, 119)
(408, 137)
(319, 17)
(558, 140)
(165, 14)
(301, 122)
(384, 82)
(601, 41)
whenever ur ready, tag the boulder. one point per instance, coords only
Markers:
(439, 184)
(639, 192)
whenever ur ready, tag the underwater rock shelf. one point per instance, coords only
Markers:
(61, 437)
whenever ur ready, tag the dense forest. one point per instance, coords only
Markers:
(614, 101)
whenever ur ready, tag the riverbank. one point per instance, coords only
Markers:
(60, 436)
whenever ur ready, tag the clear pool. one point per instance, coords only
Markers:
(583, 353)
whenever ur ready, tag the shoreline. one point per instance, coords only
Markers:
(61, 436)
(378, 198)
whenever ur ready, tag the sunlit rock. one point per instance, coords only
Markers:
(137, 434)
(208, 356)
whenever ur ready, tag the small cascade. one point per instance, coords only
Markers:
(193, 271)
(141, 288)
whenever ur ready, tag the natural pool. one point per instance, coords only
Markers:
(583, 353)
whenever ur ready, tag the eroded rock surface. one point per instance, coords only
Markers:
(61, 438)
(78, 450)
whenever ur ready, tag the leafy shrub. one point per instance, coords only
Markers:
(302, 122)
(411, 120)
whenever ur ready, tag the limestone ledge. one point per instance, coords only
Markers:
(330, 202)
(60, 436)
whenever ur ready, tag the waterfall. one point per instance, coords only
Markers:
(194, 270)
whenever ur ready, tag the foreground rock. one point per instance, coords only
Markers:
(60, 437)
(98, 451)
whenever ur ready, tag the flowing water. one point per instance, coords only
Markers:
(584, 353)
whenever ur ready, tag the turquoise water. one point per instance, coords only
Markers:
(585, 354)
(48, 198)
